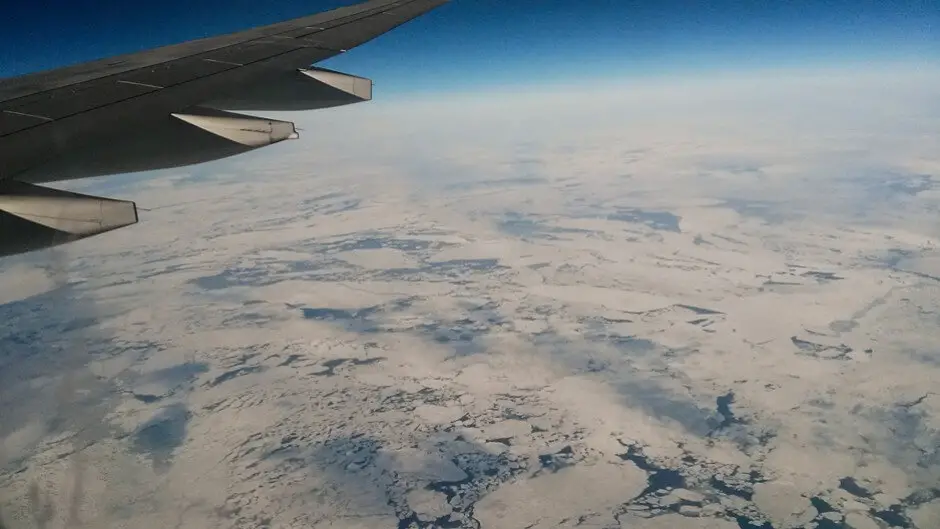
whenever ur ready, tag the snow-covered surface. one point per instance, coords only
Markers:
(645, 312)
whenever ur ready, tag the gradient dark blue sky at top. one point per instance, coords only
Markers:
(493, 42)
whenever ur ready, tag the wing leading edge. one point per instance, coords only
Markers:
(171, 106)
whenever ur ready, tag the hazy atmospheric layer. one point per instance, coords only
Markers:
(665, 304)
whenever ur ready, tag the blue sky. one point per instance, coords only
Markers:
(473, 43)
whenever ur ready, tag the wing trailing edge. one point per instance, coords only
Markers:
(165, 108)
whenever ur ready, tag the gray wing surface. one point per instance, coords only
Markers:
(44, 114)
(167, 107)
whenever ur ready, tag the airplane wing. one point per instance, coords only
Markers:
(167, 107)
